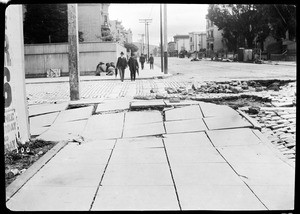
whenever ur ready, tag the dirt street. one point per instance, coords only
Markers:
(208, 70)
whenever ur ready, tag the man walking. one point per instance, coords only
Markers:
(133, 66)
(142, 61)
(151, 60)
(122, 65)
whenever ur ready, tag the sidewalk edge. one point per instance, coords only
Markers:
(20, 181)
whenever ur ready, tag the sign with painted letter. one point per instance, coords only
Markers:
(16, 126)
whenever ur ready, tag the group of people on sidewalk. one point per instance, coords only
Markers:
(122, 64)
(133, 65)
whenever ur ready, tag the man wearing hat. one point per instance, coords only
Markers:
(122, 65)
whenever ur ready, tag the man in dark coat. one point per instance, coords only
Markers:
(142, 61)
(122, 65)
(133, 66)
(151, 60)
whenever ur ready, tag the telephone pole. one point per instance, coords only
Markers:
(73, 52)
(165, 41)
(161, 42)
(142, 42)
(146, 21)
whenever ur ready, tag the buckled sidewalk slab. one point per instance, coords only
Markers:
(137, 161)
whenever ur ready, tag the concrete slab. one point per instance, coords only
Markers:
(43, 120)
(74, 114)
(63, 131)
(137, 174)
(128, 156)
(48, 198)
(226, 122)
(37, 130)
(139, 130)
(186, 140)
(142, 117)
(74, 153)
(138, 143)
(276, 197)
(46, 108)
(257, 153)
(181, 155)
(204, 174)
(136, 198)
(147, 104)
(233, 137)
(180, 126)
(181, 103)
(217, 197)
(97, 126)
(71, 174)
(214, 110)
(184, 113)
(113, 105)
(86, 101)
(265, 174)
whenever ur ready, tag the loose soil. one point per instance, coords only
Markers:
(22, 158)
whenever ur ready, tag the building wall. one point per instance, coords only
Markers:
(214, 36)
(90, 21)
(42, 57)
(197, 41)
(182, 42)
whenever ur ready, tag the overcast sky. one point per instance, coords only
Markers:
(181, 19)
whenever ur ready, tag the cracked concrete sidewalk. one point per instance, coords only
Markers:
(121, 155)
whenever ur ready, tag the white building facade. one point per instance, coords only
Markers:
(197, 41)
(182, 42)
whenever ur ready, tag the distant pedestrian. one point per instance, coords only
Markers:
(133, 66)
(122, 65)
(142, 61)
(151, 60)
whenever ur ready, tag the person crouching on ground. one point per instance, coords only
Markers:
(111, 69)
(142, 61)
(133, 66)
(151, 60)
(99, 68)
(122, 65)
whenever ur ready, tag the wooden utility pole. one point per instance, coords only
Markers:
(142, 49)
(146, 21)
(73, 52)
(161, 42)
(165, 41)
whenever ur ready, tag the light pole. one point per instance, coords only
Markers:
(165, 41)
(161, 42)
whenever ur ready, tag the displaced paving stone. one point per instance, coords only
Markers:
(231, 137)
(97, 126)
(43, 120)
(66, 131)
(74, 114)
(179, 126)
(183, 113)
(192, 139)
(142, 117)
(113, 105)
(213, 110)
(146, 129)
(46, 108)
(147, 104)
(226, 122)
